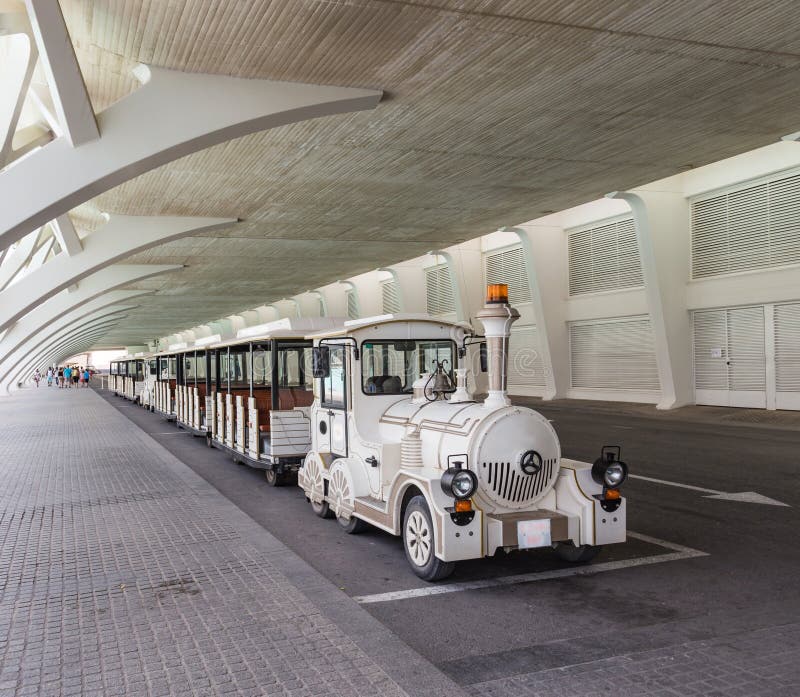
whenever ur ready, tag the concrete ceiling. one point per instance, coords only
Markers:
(496, 111)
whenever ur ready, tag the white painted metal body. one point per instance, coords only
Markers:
(368, 456)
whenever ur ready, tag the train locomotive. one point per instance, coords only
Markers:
(397, 441)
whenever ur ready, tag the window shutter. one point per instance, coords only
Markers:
(352, 304)
(439, 289)
(787, 348)
(755, 227)
(615, 355)
(604, 258)
(391, 297)
(508, 266)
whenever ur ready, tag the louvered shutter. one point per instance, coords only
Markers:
(710, 350)
(755, 227)
(508, 266)
(603, 258)
(613, 355)
(391, 297)
(525, 365)
(352, 304)
(787, 348)
(730, 357)
(746, 350)
(439, 291)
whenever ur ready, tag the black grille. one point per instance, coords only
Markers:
(509, 484)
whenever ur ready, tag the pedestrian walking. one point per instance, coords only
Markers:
(60, 378)
(49, 377)
(68, 377)
(37, 376)
(86, 376)
(75, 373)
(80, 376)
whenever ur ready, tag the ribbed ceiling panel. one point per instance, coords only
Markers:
(495, 111)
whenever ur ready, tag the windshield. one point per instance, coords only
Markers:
(391, 367)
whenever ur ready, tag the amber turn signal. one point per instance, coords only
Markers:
(497, 293)
(463, 506)
(613, 495)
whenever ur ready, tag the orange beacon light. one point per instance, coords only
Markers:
(497, 293)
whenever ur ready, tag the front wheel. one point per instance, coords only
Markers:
(576, 554)
(419, 542)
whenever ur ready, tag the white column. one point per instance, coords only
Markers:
(663, 230)
(545, 250)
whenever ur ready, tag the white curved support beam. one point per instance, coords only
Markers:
(58, 355)
(65, 342)
(19, 74)
(663, 222)
(13, 356)
(70, 99)
(15, 260)
(102, 322)
(64, 231)
(104, 319)
(36, 261)
(172, 115)
(122, 236)
(103, 283)
(546, 322)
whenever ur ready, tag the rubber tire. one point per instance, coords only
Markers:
(435, 569)
(566, 551)
(323, 510)
(275, 479)
(353, 526)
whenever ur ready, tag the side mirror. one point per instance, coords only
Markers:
(484, 358)
(321, 361)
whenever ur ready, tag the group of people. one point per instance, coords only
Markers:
(64, 377)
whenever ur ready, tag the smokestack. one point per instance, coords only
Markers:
(497, 317)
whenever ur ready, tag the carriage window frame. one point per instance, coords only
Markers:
(409, 390)
(304, 379)
(324, 401)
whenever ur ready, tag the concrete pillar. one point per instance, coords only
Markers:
(545, 250)
(663, 230)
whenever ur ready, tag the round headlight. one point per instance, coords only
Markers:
(614, 475)
(459, 483)
(462, 485)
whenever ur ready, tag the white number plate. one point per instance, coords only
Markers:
(533, 533)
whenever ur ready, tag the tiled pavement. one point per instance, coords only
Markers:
(763, 663)
(124, 573)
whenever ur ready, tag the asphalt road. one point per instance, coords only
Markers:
(745, 581)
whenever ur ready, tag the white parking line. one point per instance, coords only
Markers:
(679, 552)
(678, 484)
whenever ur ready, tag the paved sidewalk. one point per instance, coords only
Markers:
(124, 573)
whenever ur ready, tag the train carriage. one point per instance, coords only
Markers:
(399, 442)
(127, 377)
(263, 393)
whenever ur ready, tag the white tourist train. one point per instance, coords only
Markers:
(399, 442)
(377, 417)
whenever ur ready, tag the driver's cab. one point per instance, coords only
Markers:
(362, 370)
